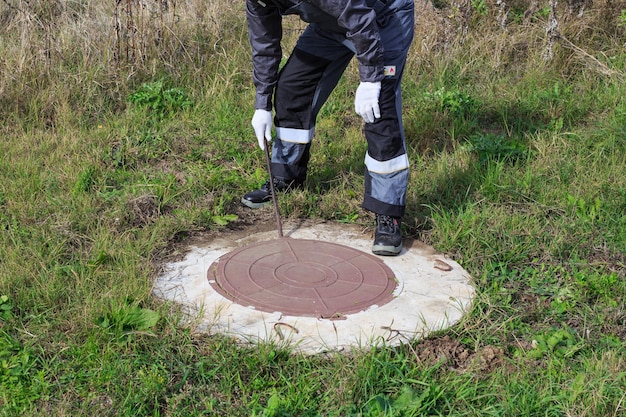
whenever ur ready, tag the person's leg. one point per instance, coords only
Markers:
(387, 164)
(304, 84)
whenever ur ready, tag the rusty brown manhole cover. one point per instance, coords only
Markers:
(303, 278)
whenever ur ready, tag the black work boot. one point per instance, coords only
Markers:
(258, 198)
(388, 238)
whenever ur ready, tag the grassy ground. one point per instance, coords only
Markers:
(125, 131)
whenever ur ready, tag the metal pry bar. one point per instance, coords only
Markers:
(274, 200)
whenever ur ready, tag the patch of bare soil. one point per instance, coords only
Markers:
(454, 355)
(253, 220)
(249, 222)
(144, 209)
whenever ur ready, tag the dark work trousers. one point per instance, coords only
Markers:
(305, 83)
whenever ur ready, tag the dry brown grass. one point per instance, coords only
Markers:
(138, 32)
(80, 54)
(519, 34)
(62, 52)
(113, 32)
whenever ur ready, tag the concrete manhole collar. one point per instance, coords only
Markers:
(415, 293)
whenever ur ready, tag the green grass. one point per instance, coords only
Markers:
(109, 162)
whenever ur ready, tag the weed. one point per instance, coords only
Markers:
(224, 220)
(408, 402)
(20, 380)
(6, 308)
(562, 343)
(86, 180)
(456, 102)
(622, 18)
(586, 212)
(491, 147)
(480, 6)
(127, 319)
(161, 101)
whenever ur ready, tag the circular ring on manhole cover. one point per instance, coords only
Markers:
(303, 277)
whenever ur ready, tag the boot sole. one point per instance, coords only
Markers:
(385, 250)
(252, 204)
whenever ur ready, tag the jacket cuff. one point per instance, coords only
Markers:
(371, 73)
(263, 102)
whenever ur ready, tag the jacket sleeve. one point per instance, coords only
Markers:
(359, 21)
(265, 33)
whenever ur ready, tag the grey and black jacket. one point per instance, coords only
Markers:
(356, 19)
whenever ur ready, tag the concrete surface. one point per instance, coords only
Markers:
(433, 293)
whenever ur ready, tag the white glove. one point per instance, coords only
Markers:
(366, 101)
(262, 125)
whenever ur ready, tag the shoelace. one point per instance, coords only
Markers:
(278, 185)
(386, 223)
